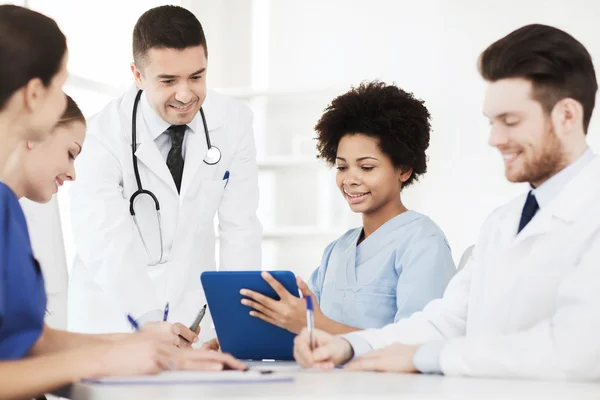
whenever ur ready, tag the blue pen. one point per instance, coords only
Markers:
(310, 321)
(133, 322)
(166, 314)
(226, 178)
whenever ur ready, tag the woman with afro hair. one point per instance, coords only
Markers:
(399, 260)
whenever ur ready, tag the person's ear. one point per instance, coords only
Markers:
(404, 174)
(33, 94)
(566, 115)
(138, 76)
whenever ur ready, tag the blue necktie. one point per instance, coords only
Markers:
(175, 156)
(529, 209)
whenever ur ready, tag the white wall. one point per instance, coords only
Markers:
(429, 47)
(474, 185)
(317, 49)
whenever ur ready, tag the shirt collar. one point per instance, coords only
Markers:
(155, 124)
(552, 187)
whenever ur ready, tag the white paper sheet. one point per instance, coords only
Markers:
(193, 377)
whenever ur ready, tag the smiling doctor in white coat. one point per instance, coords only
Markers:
(143, 222)
(527, 304)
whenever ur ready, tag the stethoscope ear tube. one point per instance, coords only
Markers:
(213, 154)
(133, 142)
(140, 192)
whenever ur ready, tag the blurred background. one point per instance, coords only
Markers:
(287, 60)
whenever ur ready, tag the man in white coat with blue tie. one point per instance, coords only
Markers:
(159, 163)
(527, 304)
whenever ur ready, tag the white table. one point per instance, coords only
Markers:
(311, 384)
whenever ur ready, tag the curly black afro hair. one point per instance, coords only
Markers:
(396, 118)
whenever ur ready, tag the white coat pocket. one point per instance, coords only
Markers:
(211, 192)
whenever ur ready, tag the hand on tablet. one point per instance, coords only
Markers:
(289, 312)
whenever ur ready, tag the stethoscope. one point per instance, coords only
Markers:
(212, 157)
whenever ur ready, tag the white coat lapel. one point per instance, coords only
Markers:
(510, 222)
(584, 192)
(538, 242)
(149, 155)
(214, 111)
(146, 151)
(568, 204)
(194, 156)
(541, 223)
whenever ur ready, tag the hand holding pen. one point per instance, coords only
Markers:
(316, 348)
(310, 321)
(177, 333)
(193, 328)
(321, 349)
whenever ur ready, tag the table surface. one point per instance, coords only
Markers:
(313, 384)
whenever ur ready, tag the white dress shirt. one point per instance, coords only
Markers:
(158, 128)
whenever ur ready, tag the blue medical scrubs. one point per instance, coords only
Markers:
(22, 293)
(391, 274)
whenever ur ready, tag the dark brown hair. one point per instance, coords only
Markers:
(72, 113)
(31, 46)
(557, 65)
(166, 27)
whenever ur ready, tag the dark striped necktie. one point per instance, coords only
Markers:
(175, 157)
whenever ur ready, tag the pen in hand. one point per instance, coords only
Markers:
(136, 326)
(310, 322)
(193, 327)
(196, 323)
(133, 322)
(166, 313)
(198, 319)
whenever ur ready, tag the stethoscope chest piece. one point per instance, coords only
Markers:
(213, 156)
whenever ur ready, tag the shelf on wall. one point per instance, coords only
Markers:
(289, 161)
(81, 82)
(299, 232)
(248, 92)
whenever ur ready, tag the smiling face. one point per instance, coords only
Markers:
(523, 133)
(366, 176)
(46, 165)
(174, 82)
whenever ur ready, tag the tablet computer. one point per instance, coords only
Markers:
(243, 336)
